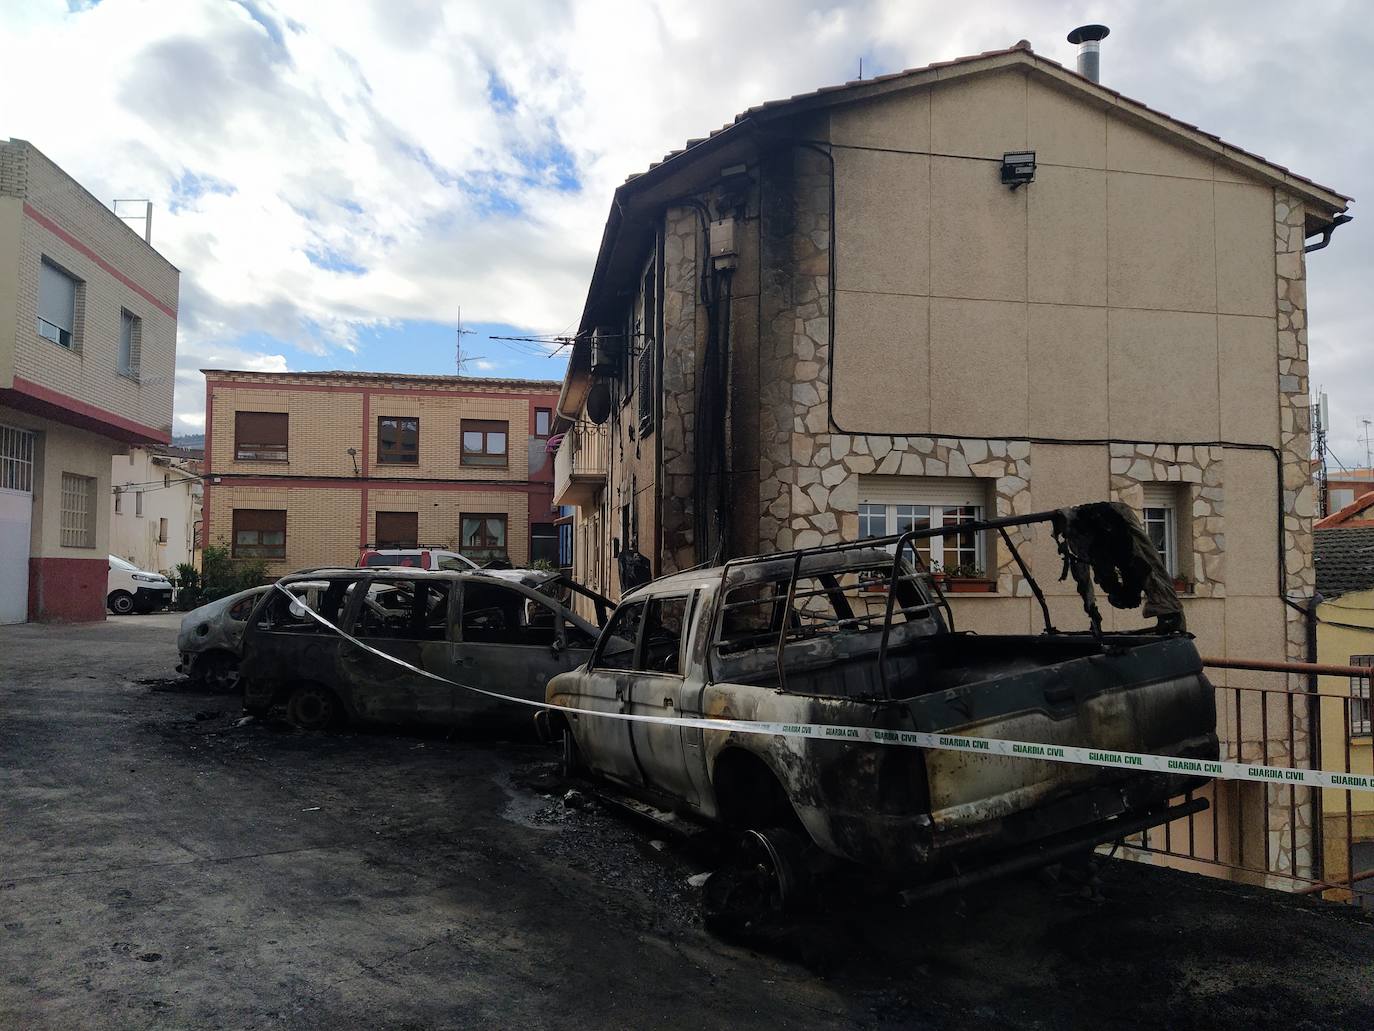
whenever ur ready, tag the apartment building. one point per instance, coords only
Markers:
(307, 469)
(155, 514)
(981, 288)
(88, 323)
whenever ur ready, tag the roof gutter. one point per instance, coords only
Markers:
(1335, 224)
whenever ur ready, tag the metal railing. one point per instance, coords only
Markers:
(1279, 835)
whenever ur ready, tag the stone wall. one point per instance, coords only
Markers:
(680, 358)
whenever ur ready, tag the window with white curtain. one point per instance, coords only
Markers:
(895, 504)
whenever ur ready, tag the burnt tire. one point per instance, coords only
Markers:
(314, 708)
(121, 603)
(216, 670)
(765, 878)
(570, 763)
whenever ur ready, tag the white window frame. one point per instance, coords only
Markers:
(1359, 699)
(130, 343)
(900, 501)
(138, 503)
(1159, 507)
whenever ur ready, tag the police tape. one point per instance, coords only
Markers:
(982, 746)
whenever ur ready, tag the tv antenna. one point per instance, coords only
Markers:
(458, 359)
(1366, 439)
(146, 217)
(1319, 423)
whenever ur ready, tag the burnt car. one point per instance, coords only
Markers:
(501, 630)
(211, 636)
(861, 635)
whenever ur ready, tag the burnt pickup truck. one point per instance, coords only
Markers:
(861, 635)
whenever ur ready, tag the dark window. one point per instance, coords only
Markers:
(260, 436)
(484, 442)
(496, 614)
(130, 343)
(648, 356)
(663, 631)
(243, 608)
(283, 614)
(544, 543)
(543, 421)
(617, 648)
(398, 529)
(484, 537)
(409, 610)
(259, 533)
(398, 440)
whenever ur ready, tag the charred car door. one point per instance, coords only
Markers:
(659, 688)
(409, 619)
(513, 640)
(606, 744)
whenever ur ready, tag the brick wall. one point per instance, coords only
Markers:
(117, 271)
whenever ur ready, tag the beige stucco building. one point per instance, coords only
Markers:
(843, 322)
(155, 515)
(88, 315)
(307, 469)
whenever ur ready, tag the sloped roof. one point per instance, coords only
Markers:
(1354, 514)
(1345, 560)
(1019, 53)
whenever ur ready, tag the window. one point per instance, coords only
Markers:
(56, 304)
(1359, 698)
(119, 501)
(496, 614)
(398, 529)
(484, 537)
(78, 511)
(259, 533)
(648, 355)
(282, 614)
(543, 422)
(260, 436)
(544, 543)
(398, 440)
(617, 647)
(1339, 497)
(16, 459)
(1159, 526)
(162, 530)
(138, 503)
(955, 549)
(409, 610)
(130, 343)
(484, 442)
(664, 627)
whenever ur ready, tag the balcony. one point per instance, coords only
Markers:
(579, 467)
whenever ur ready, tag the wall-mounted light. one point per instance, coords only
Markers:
(1018, 168)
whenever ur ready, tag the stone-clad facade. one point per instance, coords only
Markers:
(1119, 329)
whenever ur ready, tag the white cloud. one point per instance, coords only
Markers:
(320, 169)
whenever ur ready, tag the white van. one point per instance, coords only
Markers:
(131, 589)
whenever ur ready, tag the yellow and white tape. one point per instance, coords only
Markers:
(1220, 769)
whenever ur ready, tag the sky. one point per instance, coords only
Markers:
(336, 180)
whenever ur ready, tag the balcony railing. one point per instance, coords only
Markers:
(579, 467)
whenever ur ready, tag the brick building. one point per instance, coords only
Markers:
(88, 323)
(308, 468)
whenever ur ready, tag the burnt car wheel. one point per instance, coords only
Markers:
(312, 707)
(766, 877)
(121, 603)
(217, 670)
(570, 762)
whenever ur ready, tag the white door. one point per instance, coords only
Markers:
(16, 515)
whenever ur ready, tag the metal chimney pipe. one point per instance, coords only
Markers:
(1089, 40)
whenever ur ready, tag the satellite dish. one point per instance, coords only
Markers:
(599, 402)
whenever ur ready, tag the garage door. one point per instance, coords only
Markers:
(16, 514)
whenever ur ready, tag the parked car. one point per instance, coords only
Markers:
(211, 636)
(415, 558)
(504, 630)
(860, 635)
(130, 589)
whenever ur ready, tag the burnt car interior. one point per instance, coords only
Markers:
(860, 632)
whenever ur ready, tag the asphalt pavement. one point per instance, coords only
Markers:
(164, 866)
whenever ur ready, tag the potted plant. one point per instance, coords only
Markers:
(1182, 586)
(968, 578)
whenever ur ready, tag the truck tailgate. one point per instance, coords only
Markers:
(1151, 697)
